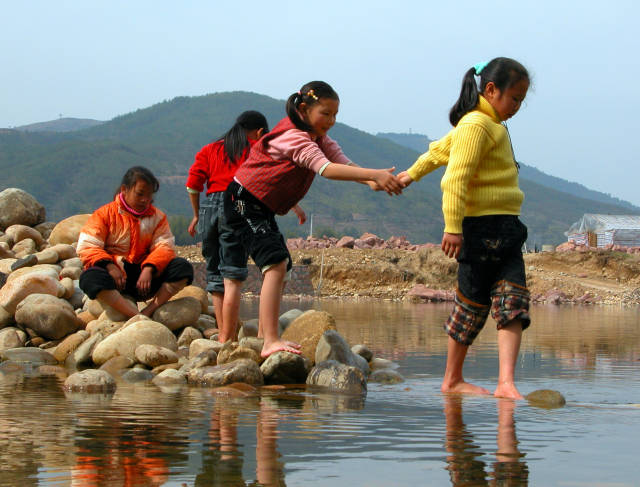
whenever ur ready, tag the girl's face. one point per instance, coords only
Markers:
(139, 196)
(321, 115)
(506, 103)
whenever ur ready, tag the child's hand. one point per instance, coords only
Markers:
(451, 244)
(387, 181)
(144, 281)
(302, 216)
(374, 186)
(405, 179)
(192, 226)
(118, 275)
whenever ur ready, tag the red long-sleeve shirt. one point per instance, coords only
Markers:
(213, 167)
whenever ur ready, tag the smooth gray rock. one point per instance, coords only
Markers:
(30, 355)
(90, 381)
(285, 368)
(332, 346)
(243, 370)
(338, 377)
(83, 353)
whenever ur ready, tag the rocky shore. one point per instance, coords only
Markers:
(49, 327)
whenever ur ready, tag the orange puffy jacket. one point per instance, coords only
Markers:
(112, 233)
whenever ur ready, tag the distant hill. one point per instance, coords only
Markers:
(60, 125)
(75, 172)
(417, 142)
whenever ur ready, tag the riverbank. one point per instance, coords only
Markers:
(578, 276)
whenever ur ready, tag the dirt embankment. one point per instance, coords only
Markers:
(605, 277)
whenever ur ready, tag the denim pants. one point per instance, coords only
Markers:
(219, 244)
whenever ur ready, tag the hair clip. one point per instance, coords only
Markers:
(479, 67)
(312, 95)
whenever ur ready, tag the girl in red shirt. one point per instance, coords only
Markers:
(215, 165)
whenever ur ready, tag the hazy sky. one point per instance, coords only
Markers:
(397, 66)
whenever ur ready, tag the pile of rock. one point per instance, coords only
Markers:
(366, 241)
(46, 321)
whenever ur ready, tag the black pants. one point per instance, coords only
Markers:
(97, 278)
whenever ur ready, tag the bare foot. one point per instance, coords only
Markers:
(463, 388)
(508, 390)
(279, 346)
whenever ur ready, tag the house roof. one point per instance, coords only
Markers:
(593, 222)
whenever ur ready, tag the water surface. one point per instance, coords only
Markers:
(406, 434)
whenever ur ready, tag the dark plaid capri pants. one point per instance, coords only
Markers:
(491, 277)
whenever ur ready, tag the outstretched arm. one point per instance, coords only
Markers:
(384, 178)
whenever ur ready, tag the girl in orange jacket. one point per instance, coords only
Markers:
(127, 247)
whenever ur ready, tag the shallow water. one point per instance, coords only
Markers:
(405, 434)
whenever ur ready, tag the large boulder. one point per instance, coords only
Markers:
(50, 317)
(179, 313)
(68, 230)
(127, 339)
(194, 292)
(338, 377)
(245, 370)
(35, 283)
(307, 330)
(19, 207)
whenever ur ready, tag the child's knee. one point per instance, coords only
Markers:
(510, 303)
(466, 320)
(175, 287)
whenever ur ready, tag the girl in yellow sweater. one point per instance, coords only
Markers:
(481, 202)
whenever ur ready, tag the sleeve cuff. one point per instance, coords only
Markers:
(192, 191)
(324, 166)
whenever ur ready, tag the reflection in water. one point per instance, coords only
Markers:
(404, 434)
(464, 463)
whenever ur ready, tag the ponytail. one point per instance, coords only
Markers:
(235, 139)
(503, 72)
(309, 94)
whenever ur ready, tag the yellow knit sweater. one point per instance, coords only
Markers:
(481, 176)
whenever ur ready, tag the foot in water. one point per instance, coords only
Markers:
(463, 388)
(507, 390)
(279, 346)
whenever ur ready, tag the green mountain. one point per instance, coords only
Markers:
(75, 172)
(60, 125)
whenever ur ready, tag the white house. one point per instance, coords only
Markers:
(601, 230)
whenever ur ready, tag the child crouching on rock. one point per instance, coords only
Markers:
(127, 247)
